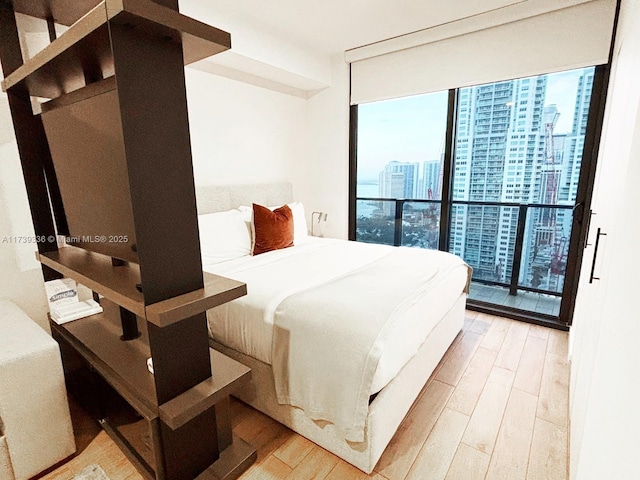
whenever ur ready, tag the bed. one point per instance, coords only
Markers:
(340, 336)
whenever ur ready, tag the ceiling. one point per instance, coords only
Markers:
(285, 44)
(332, 26)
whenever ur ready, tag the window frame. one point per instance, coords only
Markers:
(582, 202)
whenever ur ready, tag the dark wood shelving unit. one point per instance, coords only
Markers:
(124, 366)
(96, 272)
(129, 55)
(130, 434)
(61, 66)
(64, 12)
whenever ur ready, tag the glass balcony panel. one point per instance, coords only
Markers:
(375, 221)
(545, 248)
(487, 242)
(421, 224)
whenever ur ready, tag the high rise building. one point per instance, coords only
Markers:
(430, 182)
(389, 180)
(498, 134)
(507, 151)
(545, 255)
(397, 180)
(483, 121)
(392, 184)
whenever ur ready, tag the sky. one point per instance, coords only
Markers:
(412, 129)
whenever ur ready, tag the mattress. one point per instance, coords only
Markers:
(247, 324)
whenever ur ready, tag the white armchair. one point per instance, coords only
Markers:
(35, 425)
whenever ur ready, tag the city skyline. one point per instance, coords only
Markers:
(512, 146)
(412, 129)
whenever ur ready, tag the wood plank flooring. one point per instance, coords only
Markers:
(495, 408)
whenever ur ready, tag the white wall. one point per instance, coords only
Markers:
(605, 391)
(20, 274)
(242, 133)
(267, 55)
(321, 179)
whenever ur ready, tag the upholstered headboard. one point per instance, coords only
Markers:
(219, 198)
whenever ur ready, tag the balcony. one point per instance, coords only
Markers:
(530, 301)
(529, 278)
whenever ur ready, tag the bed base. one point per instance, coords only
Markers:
(386, 411)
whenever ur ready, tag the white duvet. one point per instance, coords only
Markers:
(314, 282)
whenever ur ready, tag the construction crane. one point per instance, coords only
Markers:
(552, 234)
(559, 257)
(551, 187)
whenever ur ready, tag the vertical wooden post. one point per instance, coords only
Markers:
(31, 139)
(150, 83)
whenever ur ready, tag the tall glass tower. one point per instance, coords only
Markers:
(498, 135)
(508, 151)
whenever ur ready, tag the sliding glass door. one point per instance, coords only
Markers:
(513, 178)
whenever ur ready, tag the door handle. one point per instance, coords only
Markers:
(579, 204)
(595, 255)
(586, 238)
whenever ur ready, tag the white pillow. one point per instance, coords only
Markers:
(224, 236)
(300, 232)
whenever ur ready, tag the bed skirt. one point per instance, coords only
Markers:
(386, 411)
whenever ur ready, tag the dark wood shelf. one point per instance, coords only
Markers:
(225, 378)
(61, 66)
(123, 364)
(217, 290)
(96, 272)
(64, 12)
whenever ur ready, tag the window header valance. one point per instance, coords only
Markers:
(572, 37)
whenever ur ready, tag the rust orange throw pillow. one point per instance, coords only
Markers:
(271, 230)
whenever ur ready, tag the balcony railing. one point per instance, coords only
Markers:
(533, 258)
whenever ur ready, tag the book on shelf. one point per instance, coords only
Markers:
(73, 311)
(64, 304)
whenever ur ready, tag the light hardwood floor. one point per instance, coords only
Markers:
(495, 408)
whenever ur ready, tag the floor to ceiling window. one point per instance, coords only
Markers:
(511, 177)
(401, 153)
